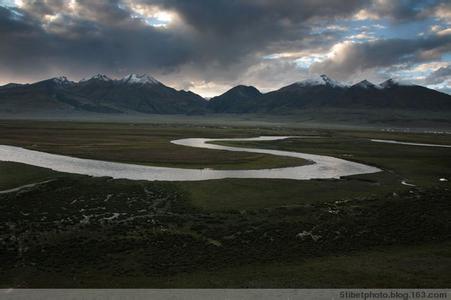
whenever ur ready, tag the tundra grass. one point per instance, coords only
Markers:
(150, 144)
(249, 194)
(358, 231)
(417, 266)
(13, 175)
(419, 165)
(97, 232)
(144, 144)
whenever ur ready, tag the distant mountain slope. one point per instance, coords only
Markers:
(327, 93)
(133, 93)
(38, 97)
(144, 94)
(138, 93)
(236, 100)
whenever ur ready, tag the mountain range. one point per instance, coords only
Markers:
(133, 93)
(144, 94)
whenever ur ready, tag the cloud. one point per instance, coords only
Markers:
(443, 11)
(403, 10)
(80, 37)
(79, 45)
(348, 57)
(441, 75)
(212, 44)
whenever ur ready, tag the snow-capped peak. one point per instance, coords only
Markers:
(310, 82)
(321, 80)
(365, 84)
(139, 79)
(61, 80)
(331, 82)
(391, 83)
(100, 77)
(388, 83)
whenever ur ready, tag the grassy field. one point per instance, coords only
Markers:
(417, 164)
(389, 267)
(358, 231)
(229, 194)
(420, 166)
(150, 144)
(417, 266)
(316, 118)
(138, 143)
(13, 175)
(98, 232)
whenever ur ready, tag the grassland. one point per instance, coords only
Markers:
(98, 232)
(317, 118)
(389, 267)
(359, 231)
(138, 143)
(230, 194)
(417, 164)
(420, 166)
(150, 144)
(13, 175)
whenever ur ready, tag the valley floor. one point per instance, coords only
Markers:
(359, 231)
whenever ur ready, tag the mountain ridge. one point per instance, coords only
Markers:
(145, 94)
(101, 94)
(324, 92)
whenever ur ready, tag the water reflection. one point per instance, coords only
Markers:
(322, 166)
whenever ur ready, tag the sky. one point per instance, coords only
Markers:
(210, 46)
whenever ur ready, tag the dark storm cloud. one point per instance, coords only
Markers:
(44, 7)
(8, 22)
(400, 10)
(246, 26)
(236, 17)
(405, 11)
(221, 40)
(105, 36)
(78, 43)
(108, 11)
(443, 74)
(350, 58)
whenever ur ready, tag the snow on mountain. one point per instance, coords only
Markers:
(61, 80)
(365, 84)
(310, 82)
(139, 79)
(388, 83)
(331, 82)
(391, 82)
(100, 77)
(321, 80)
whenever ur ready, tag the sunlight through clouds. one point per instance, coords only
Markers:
(218, 43)
(152, 15)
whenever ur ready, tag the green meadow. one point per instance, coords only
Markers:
(358, 231)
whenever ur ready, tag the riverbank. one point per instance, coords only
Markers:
(81, 231)
(318, 166)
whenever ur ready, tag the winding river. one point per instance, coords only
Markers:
(321, 166)
(410, 143)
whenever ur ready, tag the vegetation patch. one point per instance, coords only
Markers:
(79, 231)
